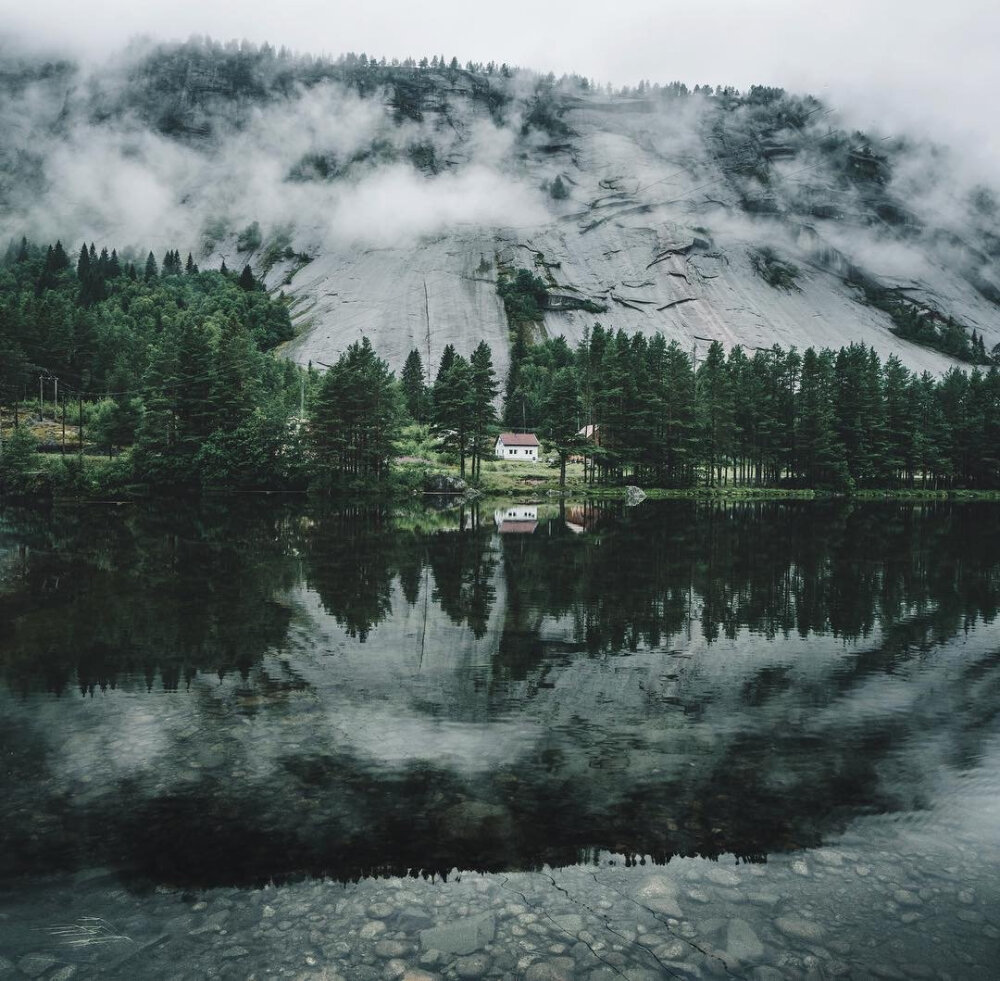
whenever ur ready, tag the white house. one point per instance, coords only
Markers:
(520, 447)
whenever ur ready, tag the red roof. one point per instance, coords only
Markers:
(517, 527)
(519, 439)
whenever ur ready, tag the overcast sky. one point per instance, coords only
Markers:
(906, 64)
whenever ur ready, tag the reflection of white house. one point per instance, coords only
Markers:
(521, 447)
(519, 519)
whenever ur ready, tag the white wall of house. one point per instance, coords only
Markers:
(519, 454)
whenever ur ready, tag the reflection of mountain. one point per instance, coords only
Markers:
(680, 680)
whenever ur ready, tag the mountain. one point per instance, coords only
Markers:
(389, 200)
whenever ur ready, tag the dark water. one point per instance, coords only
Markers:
(674, 740)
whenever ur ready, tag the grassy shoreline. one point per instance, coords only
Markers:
(527, 481)
(94, 479)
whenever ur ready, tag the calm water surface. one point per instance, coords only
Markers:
(534, 742)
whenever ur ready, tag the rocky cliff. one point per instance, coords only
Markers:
(387, 200)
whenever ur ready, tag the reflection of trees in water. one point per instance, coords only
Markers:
(351, 564)
(174, 592)
(154, 592)
(463, 567)
(169, 593)
(354, 558)
(762, 783)
(773, 761)
(647, 576)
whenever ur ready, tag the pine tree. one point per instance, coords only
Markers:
(447, 359)
(562, 416)
(83, 266)
(820, 452)
(897, 459)
(677, 423)
(247, 282)
(452, 412)
(715, 412)
(151, 272)
(414, 387)
(484, 393)
(60, 260)
(355, 415)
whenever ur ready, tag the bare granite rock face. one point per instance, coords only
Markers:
(658, 235)
(388, 201)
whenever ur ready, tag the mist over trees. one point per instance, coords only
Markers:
(321, 154)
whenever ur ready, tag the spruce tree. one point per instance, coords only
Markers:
(247, 282)
(715, 412)
(678, 445)
(60, 260)
(820, 452)
(414, 388)
(562, 416)
(355, 416)
(452, 411)
(483, 411)
(83, 266)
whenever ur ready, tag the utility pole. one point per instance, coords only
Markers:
(64, 427)
(80, 427)
(41, 398)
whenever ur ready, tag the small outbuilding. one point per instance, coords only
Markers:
(519, 447)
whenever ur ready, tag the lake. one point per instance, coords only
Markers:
(578, 741)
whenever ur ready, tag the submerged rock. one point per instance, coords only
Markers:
(722, 877)
(742, 943)
(473, 966)
(800, 929)
(371, 930)
(389, 949)
(411, 919)
(659, 893)
(554, 969)
(461, 937)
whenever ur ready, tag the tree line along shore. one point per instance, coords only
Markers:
(120, 374)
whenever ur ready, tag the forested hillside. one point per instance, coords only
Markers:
(160, 355)
(394, 199)
(728, 287)
(171, 371)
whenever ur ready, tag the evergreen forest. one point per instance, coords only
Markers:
(170, 373)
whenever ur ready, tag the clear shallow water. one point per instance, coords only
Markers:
(685, 740)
